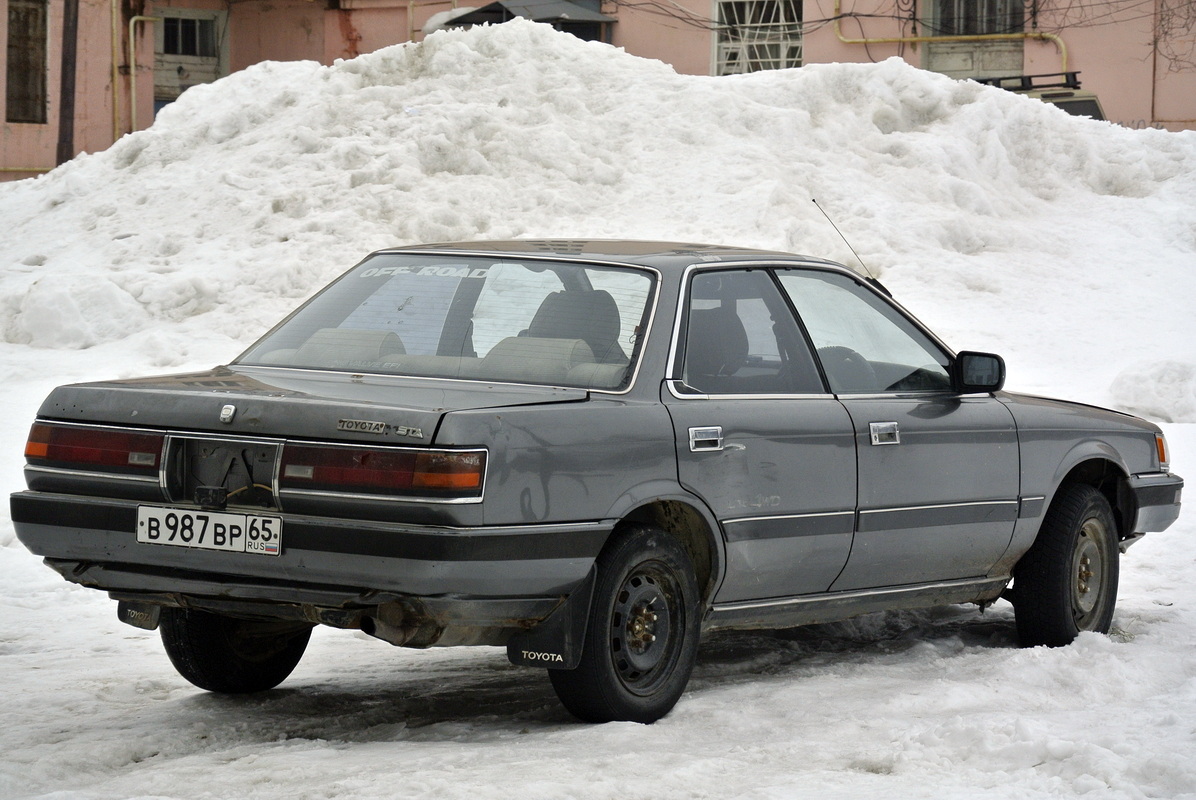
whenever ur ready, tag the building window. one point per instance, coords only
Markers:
(26, 99)
(189, 37)
(190, 48)
(754, 35)
(978, 17)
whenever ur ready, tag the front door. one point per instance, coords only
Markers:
(938, 472)
(938, 485)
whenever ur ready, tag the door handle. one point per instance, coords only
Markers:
(884, 433)
(706, 438)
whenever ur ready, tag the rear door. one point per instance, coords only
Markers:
(760, 439)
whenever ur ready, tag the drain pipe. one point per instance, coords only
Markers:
(979, 37)
(133, 69)
(115, 70)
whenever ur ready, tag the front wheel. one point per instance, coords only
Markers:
(642, 635)
(1067, 581)
(231, 655)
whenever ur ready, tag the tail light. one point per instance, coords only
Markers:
(386, 472)
(114, 450)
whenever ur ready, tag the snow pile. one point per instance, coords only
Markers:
(1065, 244)
(1164, 390)
(249, 193)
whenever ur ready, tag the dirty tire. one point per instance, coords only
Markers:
(230, 655)
(1067, 582)
(642, 635)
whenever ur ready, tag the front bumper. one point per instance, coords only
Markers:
(1156, 500)
(329, 570)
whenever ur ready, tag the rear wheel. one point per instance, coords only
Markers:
(1067, 582)
(642, 636)
(231, 655)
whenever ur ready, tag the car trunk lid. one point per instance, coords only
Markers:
(291, 403)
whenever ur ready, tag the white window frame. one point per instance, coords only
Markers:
(758, 35)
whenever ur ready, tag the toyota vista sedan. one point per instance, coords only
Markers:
(590, 453)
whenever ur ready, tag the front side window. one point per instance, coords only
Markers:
(471, 318)
(865, 345)
(741, 338)
(25, 95)
(755, 35)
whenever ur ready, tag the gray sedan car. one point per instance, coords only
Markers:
(591, 453)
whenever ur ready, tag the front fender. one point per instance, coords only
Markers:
(1040, 483)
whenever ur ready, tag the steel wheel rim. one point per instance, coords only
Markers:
(645, 624)
(1088, 568)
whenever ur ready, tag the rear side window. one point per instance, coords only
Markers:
(741, 338)
(472, 318)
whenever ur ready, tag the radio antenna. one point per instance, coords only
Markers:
(844, 238)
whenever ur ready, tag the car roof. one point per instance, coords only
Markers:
(661, 255)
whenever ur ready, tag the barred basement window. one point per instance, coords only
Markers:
(189, 37)
(26, 98)
(755, 35)
(978, 17)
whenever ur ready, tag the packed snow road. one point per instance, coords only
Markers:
(932, 704)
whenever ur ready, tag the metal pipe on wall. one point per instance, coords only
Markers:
(979, 37)
(115, 70)
(66, 93)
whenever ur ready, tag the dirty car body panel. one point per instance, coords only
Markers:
(531, 443)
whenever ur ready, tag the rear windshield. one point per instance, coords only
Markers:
(474, 318)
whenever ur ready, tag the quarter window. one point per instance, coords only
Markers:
(865, 345)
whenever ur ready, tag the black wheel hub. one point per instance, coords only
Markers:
(643, 644)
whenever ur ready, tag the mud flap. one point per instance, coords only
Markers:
(139, 615)
(556, 642)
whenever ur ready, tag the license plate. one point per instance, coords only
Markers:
(210, 530)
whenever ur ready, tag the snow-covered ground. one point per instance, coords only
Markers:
(1065, 244)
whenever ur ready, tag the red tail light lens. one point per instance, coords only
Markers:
(387, 472)
(115, 450)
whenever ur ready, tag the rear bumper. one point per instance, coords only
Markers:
(1156, 500)
(477, 577)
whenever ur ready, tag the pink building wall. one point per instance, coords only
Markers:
(1117, 60)
(685, 46)
(27, 149)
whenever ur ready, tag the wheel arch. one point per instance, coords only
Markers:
(555, 642)
(1109, 477)
(1091, 462)
(687, 519)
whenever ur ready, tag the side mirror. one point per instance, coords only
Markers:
(973, 373)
